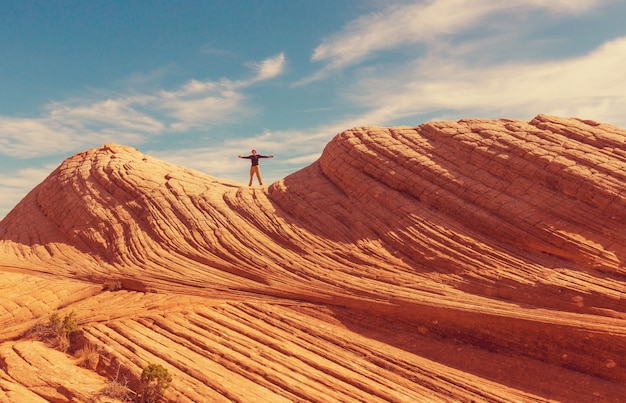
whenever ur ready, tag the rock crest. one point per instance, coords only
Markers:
(383, 271)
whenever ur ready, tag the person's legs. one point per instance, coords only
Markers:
(251, 175)
(254, 170)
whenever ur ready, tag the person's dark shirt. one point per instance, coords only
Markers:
(255, 158)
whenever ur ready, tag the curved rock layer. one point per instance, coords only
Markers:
(478, 260)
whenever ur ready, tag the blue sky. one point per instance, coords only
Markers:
(197, 83)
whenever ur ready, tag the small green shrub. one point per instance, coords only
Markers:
(64, 328)
(70, 323)
(56, 332)
(55, 321)
(154, 380)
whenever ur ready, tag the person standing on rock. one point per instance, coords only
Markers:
(254, 169)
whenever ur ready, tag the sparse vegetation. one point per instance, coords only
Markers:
(118, 389)
(88, 356)
(70, 323)
(57, 331)
(154, 380)
(64, 334)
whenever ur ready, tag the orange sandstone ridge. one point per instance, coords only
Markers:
(478, 260)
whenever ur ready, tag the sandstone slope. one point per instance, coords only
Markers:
(478, 260)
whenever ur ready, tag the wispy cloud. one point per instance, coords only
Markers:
(210, 49)
(131, 118)
(199, 104)
(268, 68)
(119, 113)
(587, 86)
(422, 22)
(29, 138)
(13, 185)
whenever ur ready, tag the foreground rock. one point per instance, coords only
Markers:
(479, 260)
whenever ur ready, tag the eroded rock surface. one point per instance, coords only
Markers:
(478, 260)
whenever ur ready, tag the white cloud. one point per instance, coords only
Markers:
(394, 26)
(74, 124)
(591, 86)
(198, 108)
(62, 133)
(429, 22)
(192, 87)
(268, 68)
(118, 113)
(200, 103)
(219, 161)
(566, 6)
(14, 185)
(28, 138)
(306, 159)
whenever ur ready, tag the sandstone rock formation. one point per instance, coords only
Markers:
(478, 260)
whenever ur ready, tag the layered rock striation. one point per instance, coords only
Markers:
(471, 260)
